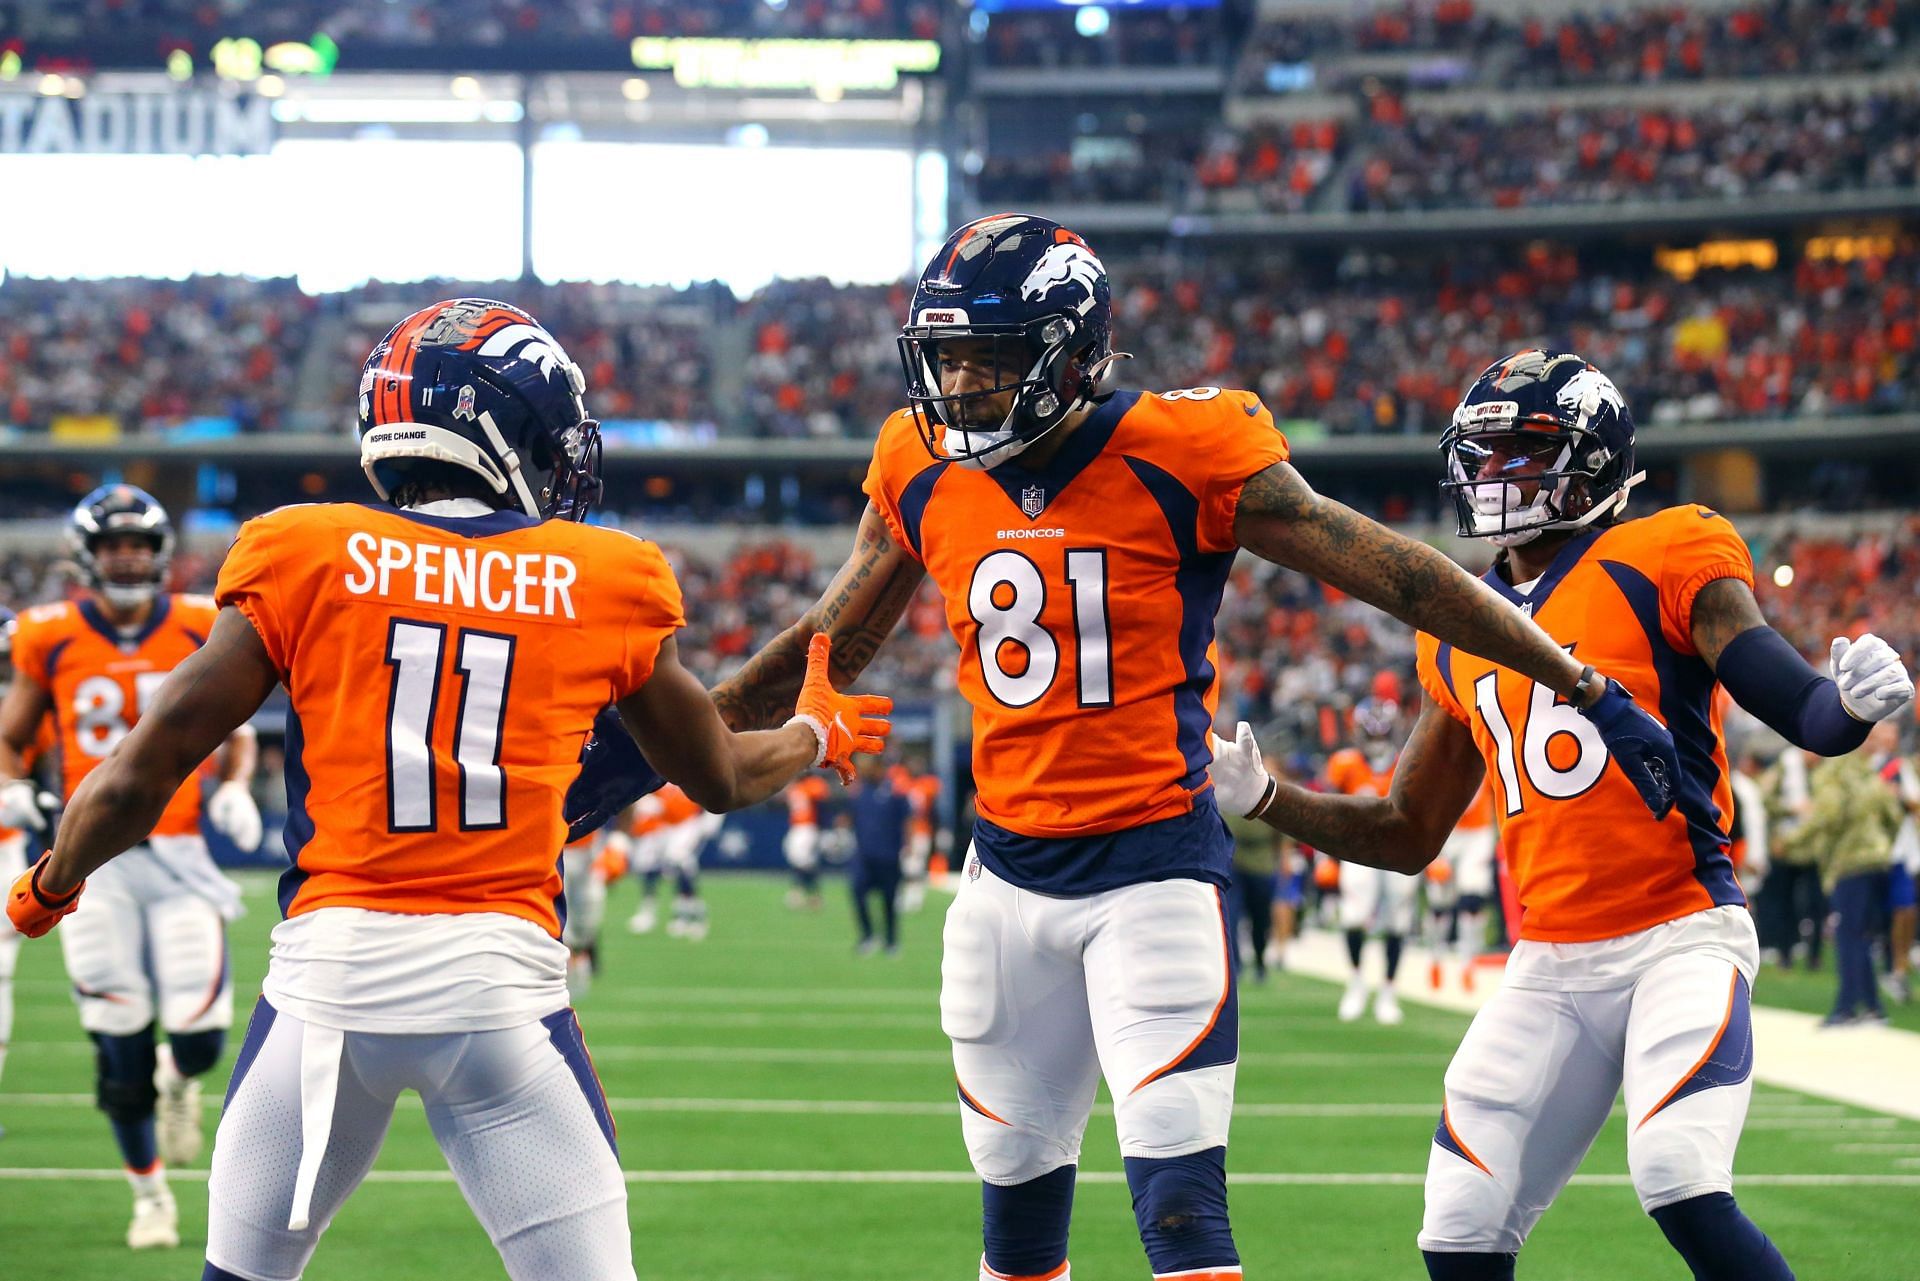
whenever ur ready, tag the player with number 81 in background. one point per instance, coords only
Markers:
(147, 951)
(1081, 535)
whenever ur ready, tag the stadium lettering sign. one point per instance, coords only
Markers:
(831, 65)
(179, 124)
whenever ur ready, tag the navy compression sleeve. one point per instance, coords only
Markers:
(1767, 676)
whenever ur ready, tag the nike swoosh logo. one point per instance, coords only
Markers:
(1251, 410)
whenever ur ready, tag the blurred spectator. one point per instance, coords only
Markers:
(1852, 822)
(1154, 38)
(1790, 912)
(1606, 154)
(1642, 43)
(472, 22)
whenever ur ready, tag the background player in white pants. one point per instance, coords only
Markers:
(1372, 900)
(1636, 957)
(148, 951)
(421, 949)
(13, 861)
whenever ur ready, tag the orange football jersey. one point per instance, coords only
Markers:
(1349, 774)
(1082, 595)
(444, 673)
(805, 795)
(101, 681)
(676, 806)
(1590, 861)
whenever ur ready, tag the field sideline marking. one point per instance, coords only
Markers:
(894, 1058)
(846, 1107)
(1385, 1178)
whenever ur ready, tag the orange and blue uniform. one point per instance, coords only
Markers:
(1589, 860)
(1349, 773)
(805, 796)
(1082, 594)
(444, 674)
(101, 680)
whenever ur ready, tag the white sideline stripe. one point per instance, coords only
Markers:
(1287, 1179)
(863, 1057)
(1875, 1149)
(851, 1107)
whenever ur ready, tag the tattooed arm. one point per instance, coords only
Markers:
(860, 607)
(1433, 783)
(1281, 519)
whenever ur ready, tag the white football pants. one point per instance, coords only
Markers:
(1469, 852)
(13, 861)
(801, 845)
(517, 1112)
(586, 894)
(1374, 899)
(1536, 1077)
(1041, 995)
(144, 945)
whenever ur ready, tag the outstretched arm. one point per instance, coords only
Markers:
(858, 610)
(200, 705)
(1282, 519)
(677, 727)
(1766, 675)
(1435, 780)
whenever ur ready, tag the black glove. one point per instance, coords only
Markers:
(613, 775)
(1641, 745)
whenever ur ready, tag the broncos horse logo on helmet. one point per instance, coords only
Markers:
(480, 385)
(1027, 297)
(1542, 440)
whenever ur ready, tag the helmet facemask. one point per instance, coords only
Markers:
(1042, 364)
(1492, 464)
(138, 517)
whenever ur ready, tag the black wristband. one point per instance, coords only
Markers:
(1266, 799)
(55, 902)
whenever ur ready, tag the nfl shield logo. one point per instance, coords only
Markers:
(973, 868)
(1033, 500)
(463, 407)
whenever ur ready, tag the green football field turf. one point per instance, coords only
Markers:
(786, 1111)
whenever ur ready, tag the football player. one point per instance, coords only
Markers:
(1466, 885)
(922, 790)
(1081, 536)
(801, 843)
(1371, 899)
(1637, 952)
(149, 947)
(446, 656)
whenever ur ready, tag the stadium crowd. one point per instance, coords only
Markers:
(1642, 43)
(1382, 343)
(480, 22)
(1814, 144)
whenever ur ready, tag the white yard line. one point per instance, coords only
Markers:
(1273, 1179)
(1867, 1067)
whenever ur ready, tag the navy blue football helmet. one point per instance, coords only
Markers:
(120, 509)
(1544, 418)
(482, 386)
(1030, 296)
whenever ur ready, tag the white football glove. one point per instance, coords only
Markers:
(1873, 681)
(1241, 784)
(24, 806)
(231, 810)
